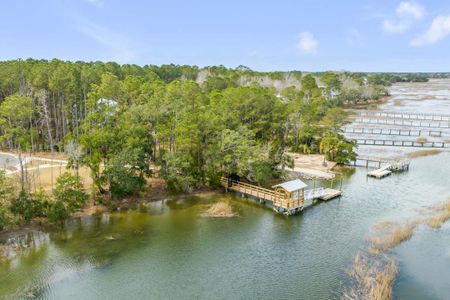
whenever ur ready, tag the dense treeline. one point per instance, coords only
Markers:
(387, 79)
(191, 124)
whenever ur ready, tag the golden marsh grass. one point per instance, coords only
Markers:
(372, 280)
(421, 153)
(220, 209)
(392, 237)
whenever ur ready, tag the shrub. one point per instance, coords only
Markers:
(69, 190)
(26, 207)
(6, 190)
(181, 183)
(5, 217)
(337, 148)
(57, 212)
(178, 173)
(123, 181)
(260, 171)
(6, 194)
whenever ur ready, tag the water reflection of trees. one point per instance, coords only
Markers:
(99, 240)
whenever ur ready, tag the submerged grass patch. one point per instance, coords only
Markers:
(397, 102)
(389, 234)
(439, 220)
(220, 209)
(384, 225)
(374, 251)
(392, 237)
(372, 280)
(441, 215)
(373, 273)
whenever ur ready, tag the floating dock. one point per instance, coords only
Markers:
(288, 197)
(379, 173)
(330, 194)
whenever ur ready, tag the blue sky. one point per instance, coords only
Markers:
(313, 35)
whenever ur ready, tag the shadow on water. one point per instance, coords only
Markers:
(182, 203)
(84, 245)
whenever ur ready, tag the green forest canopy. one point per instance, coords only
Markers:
(192, 123)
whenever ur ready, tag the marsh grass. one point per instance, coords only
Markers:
(373, 273)
(441, 215)
(439, 220)
(422, 140)
(392, 237)
(384, 225)
(397, 102)
(220, 209)
(372, 280)
(421, 153)
(389, 235)
(444, 206)
(374, 251)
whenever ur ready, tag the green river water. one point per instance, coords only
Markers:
(167, 250)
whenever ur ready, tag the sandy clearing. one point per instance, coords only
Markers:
(311, 166)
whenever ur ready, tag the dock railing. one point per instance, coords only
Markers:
(248, 189)
(262, 193)
(400, 143)
(406, 115)
(393, 131)
(403, 122)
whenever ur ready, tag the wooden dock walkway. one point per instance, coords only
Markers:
(249, 189)
(382, 167)
(397, 143)
(289, 206)
(393, 131)
(406, 115)
(402, 122)
(399, 164)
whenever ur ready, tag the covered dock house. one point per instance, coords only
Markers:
(289, 196)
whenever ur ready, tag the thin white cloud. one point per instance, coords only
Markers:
(407, 13)
(410, 9)
(307, 43)
(98, 3)
(354, 38)
(118, 47)
(395, 26)
(439, 29)
(253, 53)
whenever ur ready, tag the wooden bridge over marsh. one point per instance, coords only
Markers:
(406, 115)
(382, 167)
(400, 143)
(403, 122)
(395, 164)
(393, 131)
(287, 198)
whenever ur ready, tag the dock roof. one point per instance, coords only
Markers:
(293, 185)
